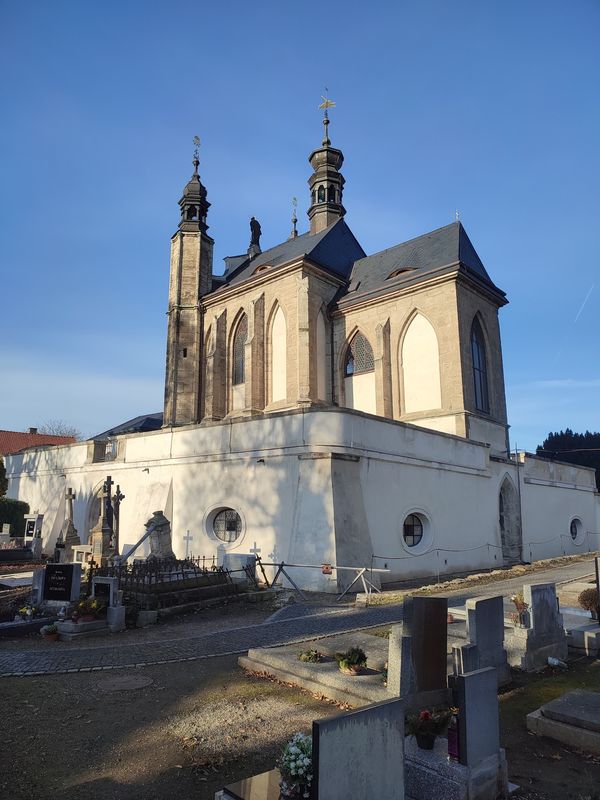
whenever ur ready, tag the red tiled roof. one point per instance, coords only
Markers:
(15, 441)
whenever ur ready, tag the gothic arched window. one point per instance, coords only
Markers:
(239, 352)
(482, 400)
(359, 357)
(321, 194)
(331, 194)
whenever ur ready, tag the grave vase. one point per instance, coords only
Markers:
(426, 741)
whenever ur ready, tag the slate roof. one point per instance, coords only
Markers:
(416, 259)
(15, 441)
(335, 248)
(141, 424)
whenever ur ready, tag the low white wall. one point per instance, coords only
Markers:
(255, 466)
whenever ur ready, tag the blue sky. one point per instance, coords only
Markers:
(489, 108)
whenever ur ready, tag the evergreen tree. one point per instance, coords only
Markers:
(3, 478)
(574, 448)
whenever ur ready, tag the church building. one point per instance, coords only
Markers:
(323, 405)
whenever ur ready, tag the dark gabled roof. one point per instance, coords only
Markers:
(141, 424)
(334, 248)
(411, 261)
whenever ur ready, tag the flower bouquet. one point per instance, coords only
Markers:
(426, 725)
(295, 765)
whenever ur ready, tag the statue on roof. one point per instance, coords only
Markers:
(255, 232)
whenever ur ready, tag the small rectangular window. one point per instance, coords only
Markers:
(184, 352)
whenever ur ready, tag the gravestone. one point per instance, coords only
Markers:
(360, 753)
(105, 589)
(573, 718)
(530, 647)
(478, 720)
(6, 528)
(61, 583)
(426, 621)
(68, 534)
(159, 528)
(485, 629)
(400, 678)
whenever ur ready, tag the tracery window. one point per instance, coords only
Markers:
(227, 525)
(359, 357)
(482, 401)
(239, 352)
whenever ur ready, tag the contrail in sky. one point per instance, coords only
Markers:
(587, 297)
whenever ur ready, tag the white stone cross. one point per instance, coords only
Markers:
(187, 539)
(255, 550)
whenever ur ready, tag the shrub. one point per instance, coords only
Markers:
(588, 599)
(13, 512)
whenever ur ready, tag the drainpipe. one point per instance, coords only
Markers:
(520, 498)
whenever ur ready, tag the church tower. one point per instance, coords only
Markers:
(326, 183)
(190, 280)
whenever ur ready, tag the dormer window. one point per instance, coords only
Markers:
(262, 268)
(400, 271)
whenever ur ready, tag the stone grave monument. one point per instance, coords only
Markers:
(101, 536)
(529, 647)
(573, 719)
(159, 529)
(68, 537)
(485, 635)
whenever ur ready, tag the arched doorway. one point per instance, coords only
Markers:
(510, 523)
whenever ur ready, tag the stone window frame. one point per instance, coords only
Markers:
(209, 519)
(580, 532)
(238, 351)
(425, 545)
(351, 351)
(479, 366)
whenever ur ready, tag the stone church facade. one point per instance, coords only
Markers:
(324, 405)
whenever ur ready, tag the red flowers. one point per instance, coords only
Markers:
(424, 715)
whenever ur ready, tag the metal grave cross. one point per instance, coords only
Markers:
(255, 550)
(187, 539)
(70, 496)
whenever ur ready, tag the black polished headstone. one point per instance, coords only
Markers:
(61, 582)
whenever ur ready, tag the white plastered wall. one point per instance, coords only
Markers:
(360, 392)
(268, 469)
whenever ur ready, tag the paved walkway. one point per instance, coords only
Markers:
(295, 623)
(55, 658)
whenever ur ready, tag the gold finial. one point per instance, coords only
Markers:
(325, 105)
(196, 160)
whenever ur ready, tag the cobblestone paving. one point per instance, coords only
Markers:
(237, 640)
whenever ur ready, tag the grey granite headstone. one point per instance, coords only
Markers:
(543, 608)
(401, 679)
(478, 719)
(427, 623)
(37, 586)
(360, 753)
(465, 658)
(485, 628)
(579, 708)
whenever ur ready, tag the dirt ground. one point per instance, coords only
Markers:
(192, 727)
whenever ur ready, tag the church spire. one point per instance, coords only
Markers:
(194, 205)
(326, 183)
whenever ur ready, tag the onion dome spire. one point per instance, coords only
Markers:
(326, 183)
(194, 205)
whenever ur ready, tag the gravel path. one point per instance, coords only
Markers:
(55, 658)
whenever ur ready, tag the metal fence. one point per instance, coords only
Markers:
(156, 574)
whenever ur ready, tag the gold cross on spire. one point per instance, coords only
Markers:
(196, 146)
(325, 105)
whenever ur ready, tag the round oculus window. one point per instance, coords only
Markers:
(227, 525)
(575, 528)
(413, 530)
